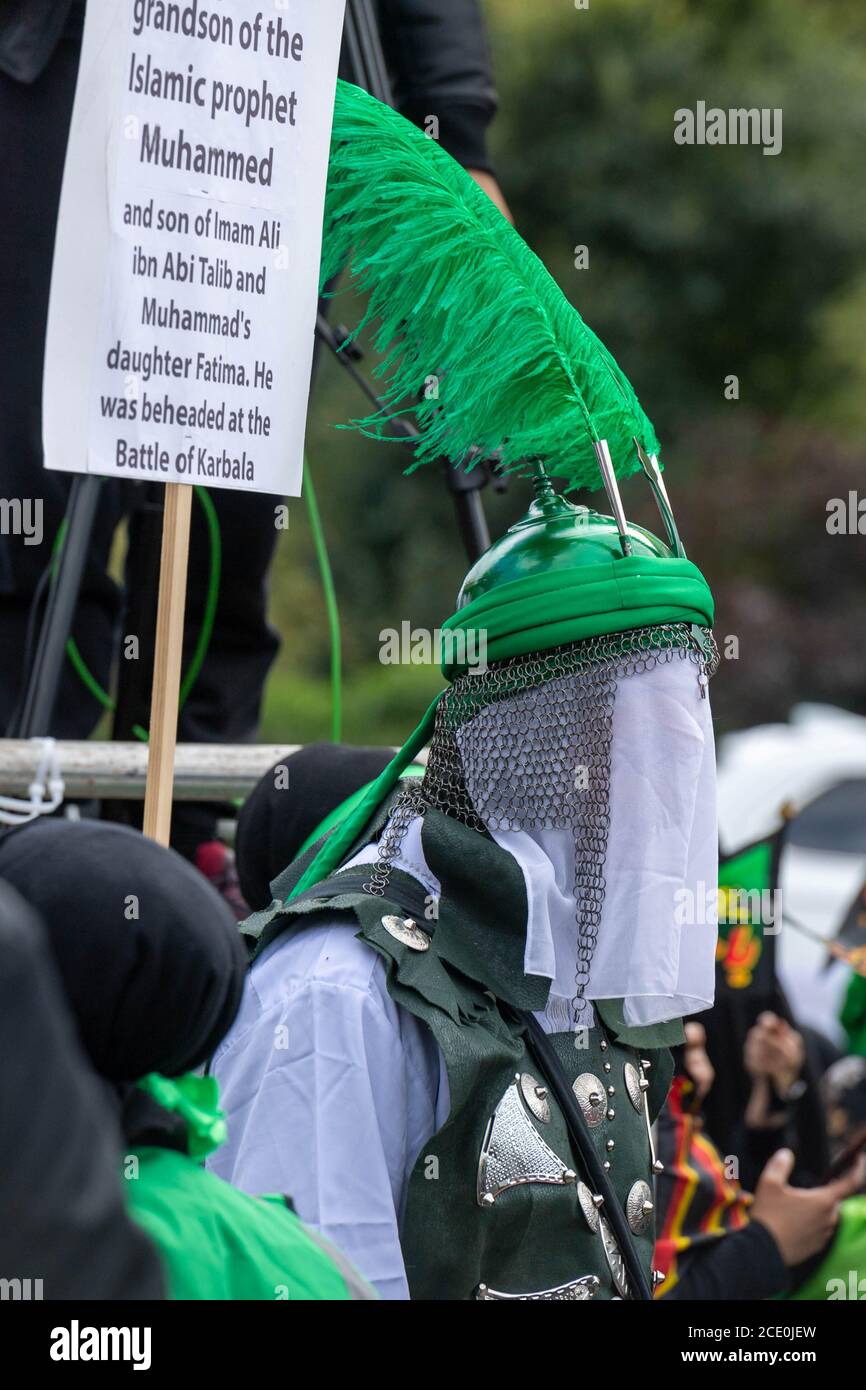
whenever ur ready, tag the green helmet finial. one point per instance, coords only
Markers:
(552, 535)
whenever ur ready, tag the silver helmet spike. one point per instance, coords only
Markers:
(650, 465)
(611, 487)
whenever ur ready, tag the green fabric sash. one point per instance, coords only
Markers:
(338, 843)
(214, 1241)
(340, 812)
(536, 614)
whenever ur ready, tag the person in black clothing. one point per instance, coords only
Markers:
(63, 1220)
(152, 969)
(440, 64)
(714, 1241)
(766, 1092)
(289, 803)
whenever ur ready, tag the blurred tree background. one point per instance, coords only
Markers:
(703, 262)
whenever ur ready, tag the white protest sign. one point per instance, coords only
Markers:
(183, 296)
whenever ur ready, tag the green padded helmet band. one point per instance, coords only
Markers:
(547, 610)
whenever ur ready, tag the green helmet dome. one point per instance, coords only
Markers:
(553, 535)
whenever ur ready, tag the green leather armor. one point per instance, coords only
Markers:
(497, 1206)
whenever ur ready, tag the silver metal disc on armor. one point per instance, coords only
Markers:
(590, 1096)
(639, 1207)
(535, 1096)
(631, 1075)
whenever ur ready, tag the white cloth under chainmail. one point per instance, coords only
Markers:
(657, 936)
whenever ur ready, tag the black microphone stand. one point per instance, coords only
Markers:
(367, 69)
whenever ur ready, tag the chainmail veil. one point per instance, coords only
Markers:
(525, 744)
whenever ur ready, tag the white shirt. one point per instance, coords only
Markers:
(331, 1091)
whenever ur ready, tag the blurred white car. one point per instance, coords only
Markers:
(814, 767)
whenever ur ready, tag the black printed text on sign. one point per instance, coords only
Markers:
(185, 276)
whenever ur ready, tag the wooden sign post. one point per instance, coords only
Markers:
(168, 650)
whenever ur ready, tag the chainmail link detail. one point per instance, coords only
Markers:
(526, 745)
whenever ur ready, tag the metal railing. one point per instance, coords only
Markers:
(203, 771)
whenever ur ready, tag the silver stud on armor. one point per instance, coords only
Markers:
(405, 930)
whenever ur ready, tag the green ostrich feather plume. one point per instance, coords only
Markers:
(455, 294)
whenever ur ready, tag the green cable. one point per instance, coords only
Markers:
(80, 666)
(58, 541)
(330, 604)
(209, 616)
(86, 675)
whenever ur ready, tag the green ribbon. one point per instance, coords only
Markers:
(196, 1100)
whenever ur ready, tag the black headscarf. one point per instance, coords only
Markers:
(63, 1218)
(147, 951)
(277, 818)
